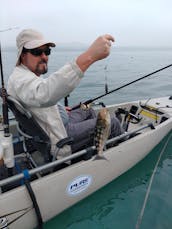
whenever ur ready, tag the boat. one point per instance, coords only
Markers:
(52, 187)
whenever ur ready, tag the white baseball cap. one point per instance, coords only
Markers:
(30, 39)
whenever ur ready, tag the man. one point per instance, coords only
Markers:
(40, 96)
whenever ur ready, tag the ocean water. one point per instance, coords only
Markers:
(119, 204)
(121, 67)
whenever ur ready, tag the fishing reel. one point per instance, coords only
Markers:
(99, 104)
(85, 106)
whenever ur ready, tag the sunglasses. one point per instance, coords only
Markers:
(38, 52)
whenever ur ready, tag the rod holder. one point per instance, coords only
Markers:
(6, 150)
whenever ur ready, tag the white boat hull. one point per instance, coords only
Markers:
(62, 189)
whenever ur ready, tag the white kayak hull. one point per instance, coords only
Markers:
(63, 188)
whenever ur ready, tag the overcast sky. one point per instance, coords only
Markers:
(131, 22)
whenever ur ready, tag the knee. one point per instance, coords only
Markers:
(116, 128)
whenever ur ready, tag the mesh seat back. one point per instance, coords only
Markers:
(30, 126)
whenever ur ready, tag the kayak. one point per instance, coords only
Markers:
(36, 194)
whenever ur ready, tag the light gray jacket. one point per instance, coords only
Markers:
(40, 96)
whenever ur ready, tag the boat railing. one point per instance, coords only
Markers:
(53, 164)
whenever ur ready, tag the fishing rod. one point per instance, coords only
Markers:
(6, 143)
(116, 89)
(7, 151)
(3, 91)
(11, 28)
(4, 101)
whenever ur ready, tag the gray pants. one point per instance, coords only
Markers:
(81, 127)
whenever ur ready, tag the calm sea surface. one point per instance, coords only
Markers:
(119, 204)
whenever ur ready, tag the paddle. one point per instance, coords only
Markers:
(116, 89)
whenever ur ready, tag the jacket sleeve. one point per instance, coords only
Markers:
(38, 92)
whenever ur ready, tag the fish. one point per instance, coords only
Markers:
(102, 132)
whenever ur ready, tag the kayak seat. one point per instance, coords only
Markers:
(35, 138)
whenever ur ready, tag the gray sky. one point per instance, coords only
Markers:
(131, 22)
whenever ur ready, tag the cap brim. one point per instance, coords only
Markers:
(37, 43)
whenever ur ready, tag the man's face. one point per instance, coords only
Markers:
(36, 61)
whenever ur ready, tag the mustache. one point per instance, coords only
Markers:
(42, 62)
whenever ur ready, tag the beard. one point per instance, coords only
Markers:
(41, 68)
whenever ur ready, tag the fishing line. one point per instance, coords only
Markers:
(106, 75)
(140, 218)
(106, 83)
